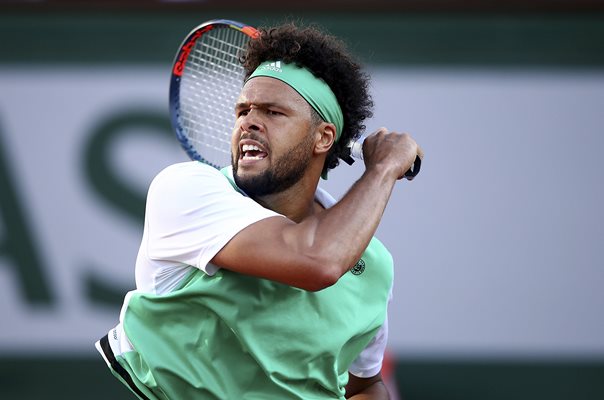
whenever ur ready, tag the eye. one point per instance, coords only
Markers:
(274, 112)
(242, 112)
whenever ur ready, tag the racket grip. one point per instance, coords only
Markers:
(356, 148)
(356, 151)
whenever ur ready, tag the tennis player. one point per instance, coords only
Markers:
(252, 282)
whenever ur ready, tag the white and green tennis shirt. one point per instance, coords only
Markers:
(193, 330)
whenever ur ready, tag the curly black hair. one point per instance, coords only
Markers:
(327, 58)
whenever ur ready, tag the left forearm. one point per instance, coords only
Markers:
(376, 391)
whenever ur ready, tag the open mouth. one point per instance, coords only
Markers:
(252, 152)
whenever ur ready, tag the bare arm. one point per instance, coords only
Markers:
(366, 388)
(316, 252)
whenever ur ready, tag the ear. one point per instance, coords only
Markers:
(326, 137)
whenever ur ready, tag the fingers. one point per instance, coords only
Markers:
(396, 150)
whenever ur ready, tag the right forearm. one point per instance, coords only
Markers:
(341, 233)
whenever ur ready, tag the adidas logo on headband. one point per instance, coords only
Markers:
(273, 66)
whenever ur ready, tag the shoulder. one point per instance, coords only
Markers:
(187, 170)
(181, 188)
(194, 188)
(187, 177)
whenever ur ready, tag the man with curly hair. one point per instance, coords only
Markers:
(254, 283)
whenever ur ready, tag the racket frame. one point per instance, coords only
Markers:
(178, 67)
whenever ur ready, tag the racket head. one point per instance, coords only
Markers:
(206, 81)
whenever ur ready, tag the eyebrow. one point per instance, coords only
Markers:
(261, 105)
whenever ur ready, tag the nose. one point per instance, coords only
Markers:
(252, 122)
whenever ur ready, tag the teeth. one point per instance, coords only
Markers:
(249, 147)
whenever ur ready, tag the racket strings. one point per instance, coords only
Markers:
(211, 83)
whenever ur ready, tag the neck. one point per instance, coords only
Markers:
(296, 203)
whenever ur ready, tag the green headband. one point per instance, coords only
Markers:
(314, 90)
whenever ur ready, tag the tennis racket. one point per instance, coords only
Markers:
(206, 81)
(205, 84)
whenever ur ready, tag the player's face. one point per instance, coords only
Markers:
(272, 143)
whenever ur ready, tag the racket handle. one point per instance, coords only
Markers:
(356, 148)
(356, 151)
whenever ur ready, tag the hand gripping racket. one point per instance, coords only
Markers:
(356, 151)
(206, 81)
